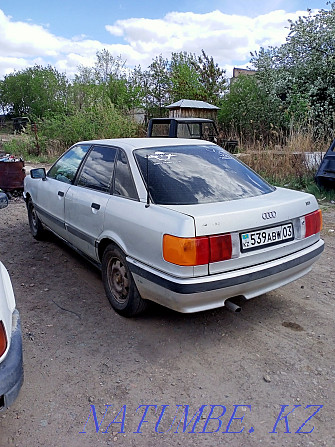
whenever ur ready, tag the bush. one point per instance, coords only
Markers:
(20, 146)
(99, 122)
(55, 134)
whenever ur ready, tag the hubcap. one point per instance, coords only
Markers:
(118, 280)
(33, 215)
(33, 219)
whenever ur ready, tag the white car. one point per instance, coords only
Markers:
(11, 369)
(179, 222)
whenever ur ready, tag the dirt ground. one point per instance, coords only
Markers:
(214, 378)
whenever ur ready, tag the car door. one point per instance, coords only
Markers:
(85, 202)
(51, 192)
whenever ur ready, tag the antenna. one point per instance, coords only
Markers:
(148, 193)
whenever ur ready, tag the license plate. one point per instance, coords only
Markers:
(266, 236)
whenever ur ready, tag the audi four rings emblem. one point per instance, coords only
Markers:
(269, 215)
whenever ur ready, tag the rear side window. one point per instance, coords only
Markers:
(98, 169)
(66, 167)
(185, 175)
(124, 184)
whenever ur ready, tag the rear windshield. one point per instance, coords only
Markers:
(185, 175)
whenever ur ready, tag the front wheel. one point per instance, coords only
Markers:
(35, 224)
(119, 284)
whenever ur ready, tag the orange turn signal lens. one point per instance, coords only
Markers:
(197, 250)
(186, 251)
(3, 339)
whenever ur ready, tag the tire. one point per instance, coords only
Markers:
(119, 284)
(35, 224)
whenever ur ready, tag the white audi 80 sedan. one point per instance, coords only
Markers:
(179, 222)
(11, 365)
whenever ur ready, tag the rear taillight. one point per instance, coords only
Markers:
(197, 250)
(220, 247)
(3, 339)
(311, 223)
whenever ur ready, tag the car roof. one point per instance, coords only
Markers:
(182, 120)
(130, 144)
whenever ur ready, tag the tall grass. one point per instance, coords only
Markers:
(292, 164)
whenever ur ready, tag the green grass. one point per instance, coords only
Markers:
(305, 184)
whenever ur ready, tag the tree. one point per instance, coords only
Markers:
(212, 78)
(107, 79)
(184, 77)
(107, 66)
(155, 82)
(250, 112)
(301, 72)
(36, 91)
(85, 90)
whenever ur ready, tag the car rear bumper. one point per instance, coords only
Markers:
(11, 369)
(197, 294)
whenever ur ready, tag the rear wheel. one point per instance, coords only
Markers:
(35, 224)
(119, 284)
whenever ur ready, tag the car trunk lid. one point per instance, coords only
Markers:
(278, 211)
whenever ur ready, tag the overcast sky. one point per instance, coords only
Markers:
(68, 33)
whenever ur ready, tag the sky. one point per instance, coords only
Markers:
(68, 33)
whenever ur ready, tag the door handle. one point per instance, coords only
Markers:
(96, 206)
(60, 193)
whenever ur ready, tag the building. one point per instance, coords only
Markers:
(188, 108)
(241, 71)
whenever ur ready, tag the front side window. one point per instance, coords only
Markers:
(97, 171)
(66, 167)
(190, 174)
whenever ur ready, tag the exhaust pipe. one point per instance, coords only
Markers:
(232, 306)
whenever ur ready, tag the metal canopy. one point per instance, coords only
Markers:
(191, 104)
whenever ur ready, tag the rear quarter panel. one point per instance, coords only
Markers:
(138, 230)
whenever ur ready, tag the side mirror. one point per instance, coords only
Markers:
(38, 173)
(3, 200)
